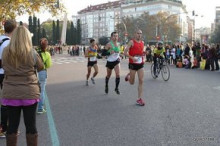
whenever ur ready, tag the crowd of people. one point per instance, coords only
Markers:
(203, 56)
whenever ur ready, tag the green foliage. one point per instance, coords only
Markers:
(58, 32)
(78, 32)
(34, 38)
(30, 26)
(161, 24)
(9, 9)
(44, 35)
(39, 36)
(103, 40)
(47, 26)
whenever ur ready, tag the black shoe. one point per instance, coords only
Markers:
(117, 91)
(106, 89)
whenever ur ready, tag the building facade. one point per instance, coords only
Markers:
(191, 29)
(101, 20)
(217, 15)
(202, 35)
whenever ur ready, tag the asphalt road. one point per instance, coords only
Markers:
(184, 111)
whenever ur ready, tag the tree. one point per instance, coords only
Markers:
(72, 33)
(44, 35)
(161, 25)
(58, 31)
(103, 40)
(128, 23)
(12, 8)
(169, 30)
(54, 33)
(78, 32)
(30, 25)
(38, 30)
(34, 38)
(69, 34)
(75, 36)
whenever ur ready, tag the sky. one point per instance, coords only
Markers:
(205, 9)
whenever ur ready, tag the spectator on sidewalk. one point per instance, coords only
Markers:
(42, 75)
(21, 90)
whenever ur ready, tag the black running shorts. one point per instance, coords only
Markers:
(111, 65)
(91, 63)
(136, 67)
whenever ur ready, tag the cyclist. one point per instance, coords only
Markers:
(159, 52)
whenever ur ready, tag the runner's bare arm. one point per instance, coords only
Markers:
(86, 52)
(108, 46)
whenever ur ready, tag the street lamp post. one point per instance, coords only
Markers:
(195, 15)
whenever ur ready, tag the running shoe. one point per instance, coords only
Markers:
(93, 81)
(87, 83)
(140, 102)
(127, 77)
(117, 91)
(106, 89)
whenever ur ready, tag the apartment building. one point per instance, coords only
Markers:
(100, 20)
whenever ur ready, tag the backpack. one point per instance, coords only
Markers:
(1, 42)
(39, 51)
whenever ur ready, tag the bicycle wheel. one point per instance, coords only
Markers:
(165, 72)
(152, 71)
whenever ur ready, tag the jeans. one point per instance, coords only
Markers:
(42, 75)
(14, 114)
(216, 63)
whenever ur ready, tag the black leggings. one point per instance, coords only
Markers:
(14, 114)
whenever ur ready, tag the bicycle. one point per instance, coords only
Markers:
(162, 67)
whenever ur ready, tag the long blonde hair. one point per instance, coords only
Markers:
(19, 50)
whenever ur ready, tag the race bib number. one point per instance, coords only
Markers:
(92, 59)
(115, 55)
(138, 59)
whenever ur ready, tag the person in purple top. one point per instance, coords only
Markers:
(21, 91)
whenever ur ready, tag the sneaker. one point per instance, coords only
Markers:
(117, 91)
(18, 133)
(127, 77)
(2, 133)
(41, 111)
(87, 83)
(93, 81)
(106, 89)
(140, 102)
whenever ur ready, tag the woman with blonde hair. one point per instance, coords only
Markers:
(21, 91)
